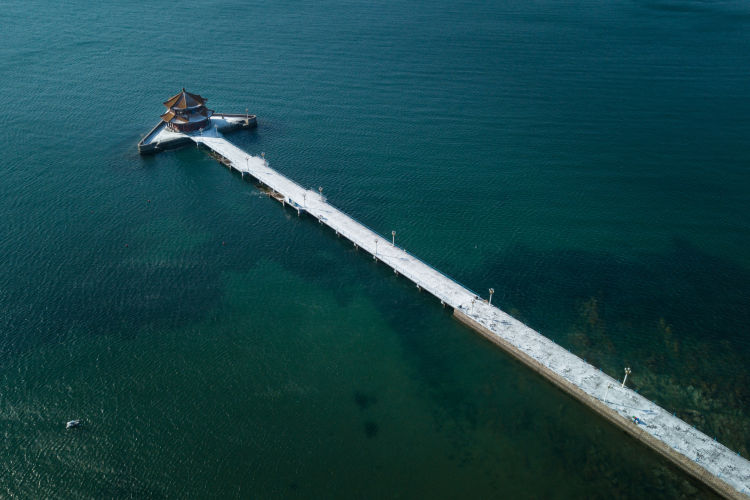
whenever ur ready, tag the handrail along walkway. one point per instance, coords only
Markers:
(704, 458)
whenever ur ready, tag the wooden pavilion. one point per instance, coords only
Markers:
(187, 112)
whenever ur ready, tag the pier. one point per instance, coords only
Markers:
(701, 456)
(160, 138)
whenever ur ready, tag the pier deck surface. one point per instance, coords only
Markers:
(697, 453)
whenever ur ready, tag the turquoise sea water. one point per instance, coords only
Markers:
(588, 160)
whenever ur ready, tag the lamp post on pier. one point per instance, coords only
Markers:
(376, 248)
(609, 386)
(320, 190)
(393, 238)
(627, 372)
(492, 290)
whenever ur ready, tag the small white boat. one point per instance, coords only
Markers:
(73, 423)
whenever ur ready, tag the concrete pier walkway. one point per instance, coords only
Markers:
(696, 453)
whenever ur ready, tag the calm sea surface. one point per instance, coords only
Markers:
(589, 160)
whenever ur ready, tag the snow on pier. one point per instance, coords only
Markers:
(701, 456)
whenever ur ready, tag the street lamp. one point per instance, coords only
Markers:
(393, 238)
(492, 290)
(627, 372)
(609, 386)
(320, 190)
(376, 248)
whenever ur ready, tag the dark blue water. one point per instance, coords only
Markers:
(587, 160)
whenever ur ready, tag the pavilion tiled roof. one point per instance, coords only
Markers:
(184, 118)
(169, 116)
(185, 107)
(184, 99)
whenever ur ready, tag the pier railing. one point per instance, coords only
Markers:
(451, 278)
(351, 237)
(728, 474)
